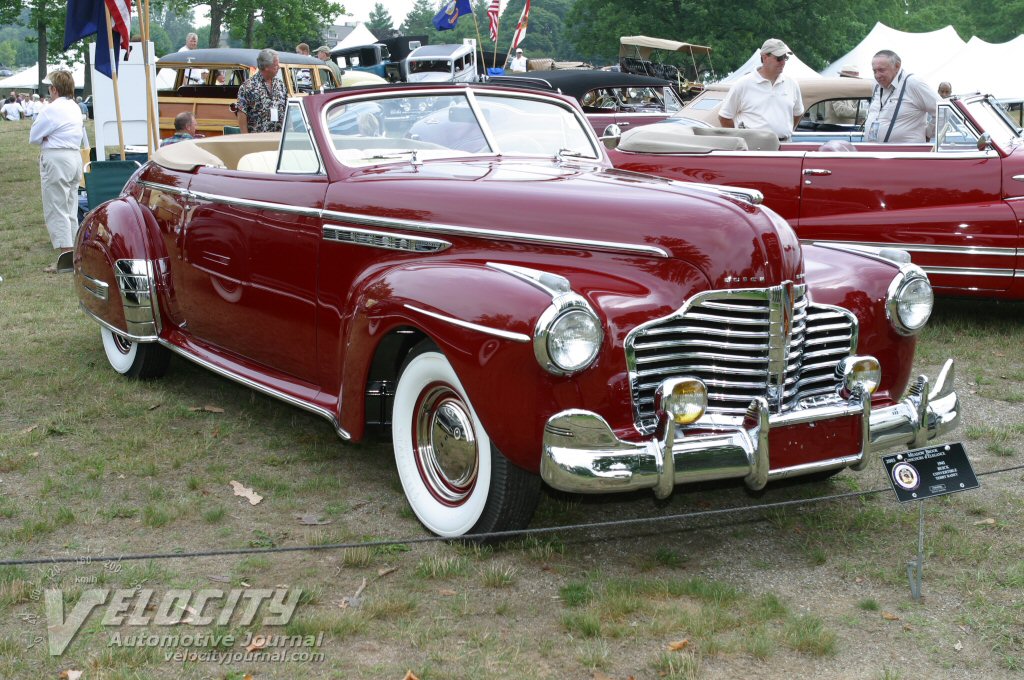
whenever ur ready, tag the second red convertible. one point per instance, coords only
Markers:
(955, 205)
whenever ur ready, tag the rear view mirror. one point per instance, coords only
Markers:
(611, 136)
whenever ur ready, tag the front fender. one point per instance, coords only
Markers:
(860, 284)
(482, 320)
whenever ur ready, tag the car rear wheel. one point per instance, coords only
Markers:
(455, 479)
(132, 359)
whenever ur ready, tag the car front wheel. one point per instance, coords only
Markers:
(455, 479)
(132, 359)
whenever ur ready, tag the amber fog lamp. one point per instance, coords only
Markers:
(859, 370)
(684, 399)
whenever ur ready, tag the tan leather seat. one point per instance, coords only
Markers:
(259, 161)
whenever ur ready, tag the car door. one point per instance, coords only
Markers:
(942, 204)
(246, 277)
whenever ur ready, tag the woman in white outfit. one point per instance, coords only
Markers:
(58, 130)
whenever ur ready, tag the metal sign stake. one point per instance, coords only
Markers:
(915, 568)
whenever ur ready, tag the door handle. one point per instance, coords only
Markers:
(623, 124)
(813, 171)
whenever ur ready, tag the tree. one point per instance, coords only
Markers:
(381, 24)
(418, 20)
(818, 33)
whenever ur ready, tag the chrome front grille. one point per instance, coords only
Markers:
(767, 342)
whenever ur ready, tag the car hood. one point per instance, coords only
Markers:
(732, 241)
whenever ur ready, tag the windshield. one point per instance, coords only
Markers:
(426, 126)
(994, 121)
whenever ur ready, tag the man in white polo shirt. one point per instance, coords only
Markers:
(764, 98)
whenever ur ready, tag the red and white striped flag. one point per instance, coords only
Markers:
(521, 27)
(121, 18)
(492, 14)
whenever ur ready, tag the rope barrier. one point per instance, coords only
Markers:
(474, 537)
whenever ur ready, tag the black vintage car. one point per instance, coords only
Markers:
(607, 97)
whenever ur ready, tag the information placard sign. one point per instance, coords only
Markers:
(930, 471)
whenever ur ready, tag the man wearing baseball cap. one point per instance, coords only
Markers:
(764, 98)
(518, 63)
(324, 54)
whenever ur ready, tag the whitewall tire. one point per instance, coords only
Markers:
(132, 359)
(456, 481)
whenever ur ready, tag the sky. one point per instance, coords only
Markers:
(360, 9)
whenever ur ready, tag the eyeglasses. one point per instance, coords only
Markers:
(784, 57)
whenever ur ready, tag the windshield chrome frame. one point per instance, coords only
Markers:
(470, 91)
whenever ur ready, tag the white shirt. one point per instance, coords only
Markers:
(11, 111)
(58, 126)
(518, 63)
(913, 121)
(757, 103)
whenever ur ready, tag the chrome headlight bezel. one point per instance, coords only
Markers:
(910, 278)
(547, 330)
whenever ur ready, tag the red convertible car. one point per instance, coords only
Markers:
(955, 205)
(518, 310)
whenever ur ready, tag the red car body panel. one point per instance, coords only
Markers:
(248, 284)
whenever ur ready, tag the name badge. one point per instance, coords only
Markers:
(273, 113)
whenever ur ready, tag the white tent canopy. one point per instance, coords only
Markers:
(794, 68)
(918, 51)
(989, 68)
(358, 36)
(28, 79)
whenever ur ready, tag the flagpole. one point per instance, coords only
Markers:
(152, 140)
(497, 31)
(113, 75)
(494, 60)
(479, 42)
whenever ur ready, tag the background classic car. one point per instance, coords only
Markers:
(519, 310)
(607, 97)
(955, 208)
(821, 120)
(205, 82)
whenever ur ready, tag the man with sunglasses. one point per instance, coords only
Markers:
(764, 98)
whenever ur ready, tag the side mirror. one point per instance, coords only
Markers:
(984, 142)
(611, 136)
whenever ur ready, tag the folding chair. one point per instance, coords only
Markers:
(104, 180)
(232, 130)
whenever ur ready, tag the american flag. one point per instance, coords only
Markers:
(492, 14)
(121, 18)
(521, 27)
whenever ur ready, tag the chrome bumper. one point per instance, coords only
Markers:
(583, 455)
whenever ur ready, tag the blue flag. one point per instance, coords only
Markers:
(450, 13)
(86, 17)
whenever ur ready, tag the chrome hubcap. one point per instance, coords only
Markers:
(446, 445)
(123, 344)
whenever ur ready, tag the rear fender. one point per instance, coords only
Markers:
(482, 320)
(116, 270)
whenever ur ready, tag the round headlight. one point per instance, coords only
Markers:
(573, 340)
(910, 301)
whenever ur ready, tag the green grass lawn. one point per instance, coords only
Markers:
(92, 464)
